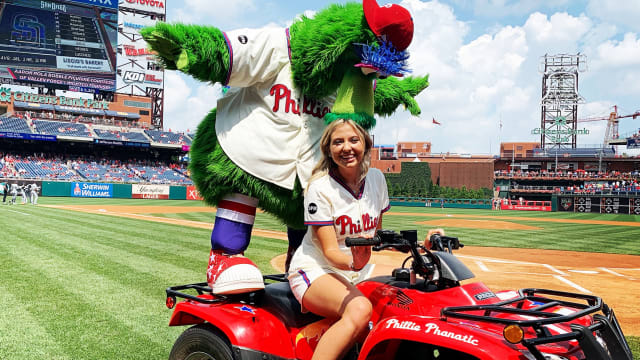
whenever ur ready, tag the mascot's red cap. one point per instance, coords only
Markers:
(391, 22)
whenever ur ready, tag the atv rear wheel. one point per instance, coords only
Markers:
(201, 342)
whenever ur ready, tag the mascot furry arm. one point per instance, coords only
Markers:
(318, 70)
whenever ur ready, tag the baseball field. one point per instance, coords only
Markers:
(85, 278)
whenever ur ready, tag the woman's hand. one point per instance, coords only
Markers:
(427, 241)
(361, 256)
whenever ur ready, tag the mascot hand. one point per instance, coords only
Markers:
(159, 39)
(391, 92)
(199, 51)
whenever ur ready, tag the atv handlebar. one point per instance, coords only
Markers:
(362, 241)
(406, 241)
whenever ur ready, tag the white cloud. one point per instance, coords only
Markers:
(494, 56)
(560, 33)
(621, 53)
(622, 12)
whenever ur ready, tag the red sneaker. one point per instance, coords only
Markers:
(232, 274)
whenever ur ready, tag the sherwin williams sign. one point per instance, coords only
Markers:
(91, 190)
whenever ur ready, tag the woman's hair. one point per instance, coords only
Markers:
(327, 163)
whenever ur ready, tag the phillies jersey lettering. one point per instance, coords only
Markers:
(262, 110)
(345, 222)
(311, 107)
(328, 202)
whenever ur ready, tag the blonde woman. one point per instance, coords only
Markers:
(344, 198)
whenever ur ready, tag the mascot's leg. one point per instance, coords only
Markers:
(226, 273)
(295, 239)
(217, 178)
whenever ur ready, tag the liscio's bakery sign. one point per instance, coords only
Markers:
(6, 95)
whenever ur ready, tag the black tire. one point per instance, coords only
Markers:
(201, 342)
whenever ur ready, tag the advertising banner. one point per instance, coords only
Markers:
(137, 67)
(40, 41)
(23, 136)
(122, 143)
(154, 6)
(193, 193)
(566, 203)
(633, 143)
(139, 191)
(80, 189)
(527, 205)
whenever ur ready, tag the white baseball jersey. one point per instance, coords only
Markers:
(329, 202)
(265, 125)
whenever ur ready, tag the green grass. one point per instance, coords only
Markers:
(91, 286)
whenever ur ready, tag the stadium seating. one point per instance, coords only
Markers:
(165, 137)
(577, 152)
(14, 125)
(121, 135)
(59, 128)
(161, 175)
(94, 171)
(46, 170)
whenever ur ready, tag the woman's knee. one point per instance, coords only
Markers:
(359, 310)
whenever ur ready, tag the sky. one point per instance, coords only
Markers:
(482, 57)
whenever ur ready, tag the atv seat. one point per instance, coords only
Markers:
(279, 298)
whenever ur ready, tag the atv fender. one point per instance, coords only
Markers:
(433, 331)
(244, 325)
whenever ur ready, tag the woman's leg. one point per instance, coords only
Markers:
(334, 298)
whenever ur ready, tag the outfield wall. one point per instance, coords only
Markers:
(119, 191)
(581, 203)
(441, 203)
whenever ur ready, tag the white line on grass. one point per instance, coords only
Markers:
(19, 212)
(611, 272)
(482, 266)
(572, 284)
(486, 259)
(554, 269)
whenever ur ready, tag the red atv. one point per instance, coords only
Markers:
(421, 311)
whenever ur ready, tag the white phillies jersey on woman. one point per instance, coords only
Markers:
(265, 125)
(329, 202)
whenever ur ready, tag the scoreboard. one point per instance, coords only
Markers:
(63, 44)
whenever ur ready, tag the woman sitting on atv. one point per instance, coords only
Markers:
(344, 199)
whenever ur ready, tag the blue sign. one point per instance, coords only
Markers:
(113, 4)
(24, 136)
(633, 143)
(79, 189)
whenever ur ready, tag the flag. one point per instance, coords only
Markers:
(435, 122)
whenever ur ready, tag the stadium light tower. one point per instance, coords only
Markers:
(560, 99)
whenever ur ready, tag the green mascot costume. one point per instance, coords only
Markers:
(258, 147)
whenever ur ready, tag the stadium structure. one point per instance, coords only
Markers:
(81, 115)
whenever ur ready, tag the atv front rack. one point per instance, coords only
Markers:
(605, 325)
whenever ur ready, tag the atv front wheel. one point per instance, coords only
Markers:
(201, 342)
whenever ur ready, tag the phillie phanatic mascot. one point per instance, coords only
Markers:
(258, 147)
